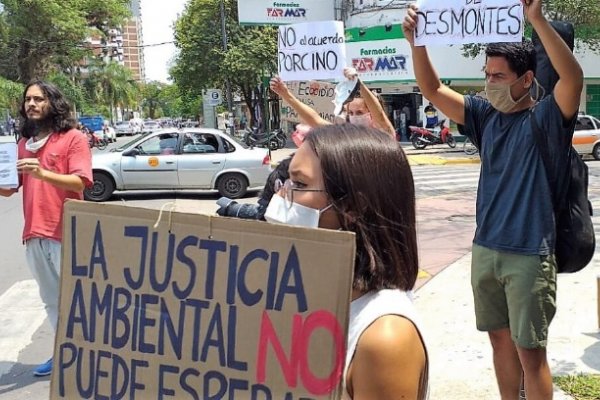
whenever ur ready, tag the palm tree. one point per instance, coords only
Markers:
(113, 85)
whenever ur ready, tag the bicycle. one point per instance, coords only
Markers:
(469, 148)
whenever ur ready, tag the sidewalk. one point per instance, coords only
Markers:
(460, 356)
(436, 155)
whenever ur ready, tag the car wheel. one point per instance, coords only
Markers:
(232, 185)
(596, 151)
(102, 188)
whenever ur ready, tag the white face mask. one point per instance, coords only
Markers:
(33, 145)
(361, 120)
(298, 215)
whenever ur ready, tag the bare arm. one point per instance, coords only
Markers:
(31, 166)
(307, 115)
(7, 192)
(567, 91)
(389, 361)
(449, 102)
(378, 115)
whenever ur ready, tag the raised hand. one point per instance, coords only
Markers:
(350, 73)
(532, 9)
(410, 24)
(278, 86)
(30, 166)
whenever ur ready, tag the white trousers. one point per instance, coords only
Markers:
(43, 257)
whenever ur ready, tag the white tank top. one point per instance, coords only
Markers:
(368, 308)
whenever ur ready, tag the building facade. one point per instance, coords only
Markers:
(133, 52)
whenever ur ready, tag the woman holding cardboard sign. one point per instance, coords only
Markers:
(362, 106)
(332, 186)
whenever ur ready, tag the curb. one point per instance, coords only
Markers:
(426, 160)
(436, 160)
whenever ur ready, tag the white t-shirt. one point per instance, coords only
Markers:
(367, 309)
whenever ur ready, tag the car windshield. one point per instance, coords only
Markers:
(130, 143)
(597, 121)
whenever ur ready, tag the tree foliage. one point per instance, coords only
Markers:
(202, 63)
(11, 94)
(113, 85)
(39, 35)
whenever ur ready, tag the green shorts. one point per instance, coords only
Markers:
(514, 291)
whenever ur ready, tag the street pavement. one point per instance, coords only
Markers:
(461, 364)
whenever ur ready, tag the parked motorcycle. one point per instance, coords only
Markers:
(96, 141)
(423, 137)
(254, 138)
(281, 137)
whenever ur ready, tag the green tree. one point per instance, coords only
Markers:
(202, 63)
(11, 94)
(151, 98)
(42, 34)
(112, 85)
(73, 91)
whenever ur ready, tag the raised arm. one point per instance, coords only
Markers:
(307, 115)
(380, 119)
(567, 91)
(446, 100)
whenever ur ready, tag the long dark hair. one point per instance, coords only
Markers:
(370, 184)
(60, 117)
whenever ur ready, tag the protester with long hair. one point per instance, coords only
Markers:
(55, 164)
(358, 179)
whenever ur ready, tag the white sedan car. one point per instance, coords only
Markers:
(171, 159)
(586, 138)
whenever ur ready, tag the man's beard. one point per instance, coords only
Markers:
(32, 127)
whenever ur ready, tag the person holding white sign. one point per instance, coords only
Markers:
(55, 164)
(513, 272)
(331, 185)
(365, 110)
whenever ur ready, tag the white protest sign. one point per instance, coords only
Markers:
(9, 179)
(468, 21)
(311, 51)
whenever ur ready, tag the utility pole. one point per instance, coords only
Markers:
(227, 83)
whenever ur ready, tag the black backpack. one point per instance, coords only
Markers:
(575, 238)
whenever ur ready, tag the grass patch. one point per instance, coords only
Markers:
(580, 387)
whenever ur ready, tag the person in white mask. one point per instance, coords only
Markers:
(55, 164)
(331, 185)
(513, 272)
(363, 108)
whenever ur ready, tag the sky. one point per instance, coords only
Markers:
(158, 17)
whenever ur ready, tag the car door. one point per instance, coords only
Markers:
(200, 160)
(155, 164)
(585, 134)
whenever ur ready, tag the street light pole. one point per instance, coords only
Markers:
(227, 83)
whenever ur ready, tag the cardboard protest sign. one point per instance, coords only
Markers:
(311, 51)
(468, 21)
(200, 308)
(317, 95)
(9, 178)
